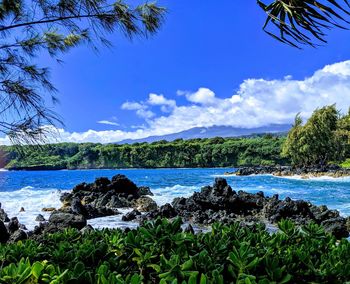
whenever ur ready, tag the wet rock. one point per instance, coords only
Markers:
(22, 209)
(66, 198)
(67, 220)
(40, 218)
(3, 216)
(130, 216)
(48, 209)
(167, 211)
(145, 190)
(19, 235)
(77, 207)
(4, 235)
(337, 227)
(13, 225)
(145, 204)
(97, 212)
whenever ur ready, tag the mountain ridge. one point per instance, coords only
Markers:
(213, 131)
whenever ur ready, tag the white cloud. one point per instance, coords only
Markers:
(258, 102)
(160, 100)
(141, 109)
(107, 122)
(203, 96)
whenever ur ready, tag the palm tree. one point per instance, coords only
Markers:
(303, 22)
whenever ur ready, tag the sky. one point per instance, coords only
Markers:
(209, 64)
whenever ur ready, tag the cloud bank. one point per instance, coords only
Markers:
(258, 102)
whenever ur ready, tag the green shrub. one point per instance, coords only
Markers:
(160, 252)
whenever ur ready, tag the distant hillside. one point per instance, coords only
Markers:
(214, 131)
(193, 153)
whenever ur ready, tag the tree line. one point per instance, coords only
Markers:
(214, 152)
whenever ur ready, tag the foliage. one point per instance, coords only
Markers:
(159, 252)
(324, 138)
(302, 22)
(215, 152)
(54, 26)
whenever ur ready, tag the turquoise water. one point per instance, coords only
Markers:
(35, 190)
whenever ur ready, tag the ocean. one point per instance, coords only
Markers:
(34, 190)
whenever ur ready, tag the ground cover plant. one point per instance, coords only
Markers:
(160, 252)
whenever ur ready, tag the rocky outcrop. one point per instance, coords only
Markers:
(305, 172)
(3, 215)
(144, 204)
(104, 196)
(13, 231)
(220, 203)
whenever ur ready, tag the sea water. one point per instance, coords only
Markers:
(36, 190)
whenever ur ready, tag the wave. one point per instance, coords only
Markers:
(32, 200)
(320, 178)
(166, 194)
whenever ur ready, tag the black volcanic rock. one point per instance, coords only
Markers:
(219, 203)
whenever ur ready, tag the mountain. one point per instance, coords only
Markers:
(214, 131)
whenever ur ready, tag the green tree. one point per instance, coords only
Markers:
(54, 26)
(318, 141)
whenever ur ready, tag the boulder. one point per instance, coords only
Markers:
(19, 235)
(337, 227)
(121, 184)
(144, 204)
(13, 225)
(145, 190)
(48, 209)
(167, 211)
(130, 216)
(40, 218)
(3, 216)
(67, 220)
(4, 235)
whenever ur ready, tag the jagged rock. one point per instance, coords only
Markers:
(40, 218)
(337, 227)
(4, 235)
(77, 207)
(130, 216)
(3, 216)
(121, 184)
(145, 204)
(167, 211)
(22, 209)
(18, 235)
(67, 220)
(13, 225)
(145, 190)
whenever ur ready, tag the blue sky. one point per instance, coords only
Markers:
(204, 54)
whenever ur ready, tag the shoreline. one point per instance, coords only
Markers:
(306, 173)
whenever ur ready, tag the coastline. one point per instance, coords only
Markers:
(306, 173)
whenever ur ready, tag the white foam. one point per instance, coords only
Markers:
(320, 178)
(32, 200)
(164, 195)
